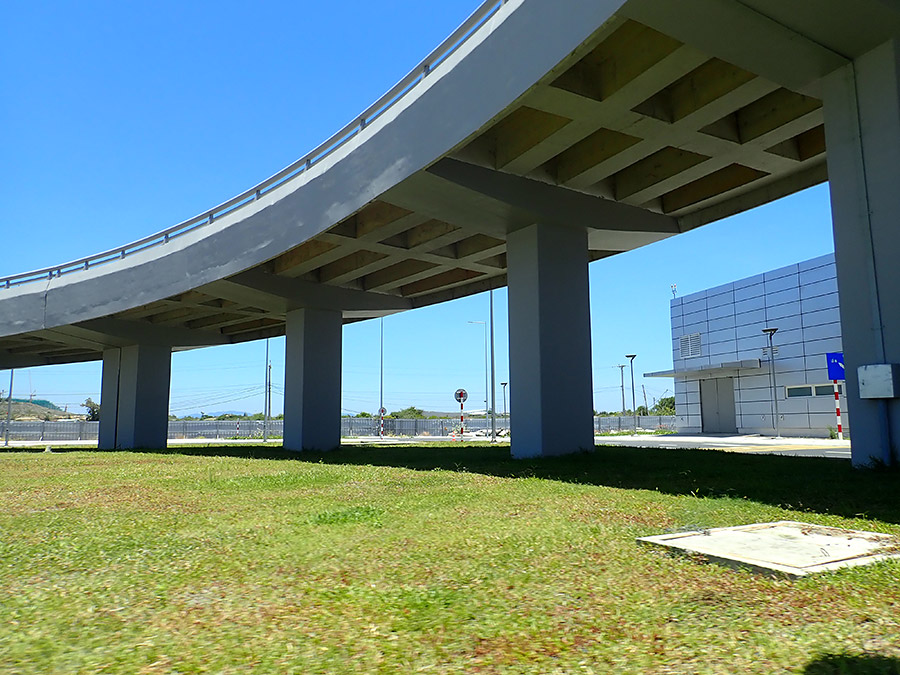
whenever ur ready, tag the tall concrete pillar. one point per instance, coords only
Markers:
(551, 402)
(134, 397)
(312, 380)
(109, 399)
(862, 132)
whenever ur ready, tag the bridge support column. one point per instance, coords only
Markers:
(862, 130)
(134, 397)
(312, 380)
(551, 402)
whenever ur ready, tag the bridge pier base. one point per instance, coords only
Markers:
(134, 396)
(862, 130)
(312, 380)
(551, 402)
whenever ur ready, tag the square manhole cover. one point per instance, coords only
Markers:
(788, 547)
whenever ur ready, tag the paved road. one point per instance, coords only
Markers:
(802, 447)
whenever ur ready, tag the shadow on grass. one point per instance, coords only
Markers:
(798, 483)
(853, 664)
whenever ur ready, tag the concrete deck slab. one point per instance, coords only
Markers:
(785, 547)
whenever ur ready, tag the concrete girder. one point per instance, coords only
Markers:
(733, 32)
(288, 294)
(587, 114)
(763, 191)
(120, 332)
(534, 201)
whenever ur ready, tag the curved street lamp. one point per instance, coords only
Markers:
(770, 332)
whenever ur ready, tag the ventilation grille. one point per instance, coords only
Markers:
(690, 345)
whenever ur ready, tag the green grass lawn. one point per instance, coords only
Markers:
(436, 559)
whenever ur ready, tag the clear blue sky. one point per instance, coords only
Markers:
(120, 119)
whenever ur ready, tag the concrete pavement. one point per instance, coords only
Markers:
(803, 447)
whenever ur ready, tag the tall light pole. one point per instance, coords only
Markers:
(9, 407)
(381, 386)
(770, 332)
(267, 396)
(503, 384)
(493, 376)
(622, 378)
(486, 385)
(630, 358)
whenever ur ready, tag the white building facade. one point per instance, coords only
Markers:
(721, 356)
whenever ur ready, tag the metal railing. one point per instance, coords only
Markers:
(45, 432)
(461, 35)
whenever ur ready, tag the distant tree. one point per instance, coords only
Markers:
(363, 414)
(410, 413)
(642, 411)
(664, 406)
(93, 410)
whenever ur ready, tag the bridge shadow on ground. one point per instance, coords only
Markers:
(798, 483)
(853, 664)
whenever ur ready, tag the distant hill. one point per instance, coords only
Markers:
(25, 410)
(38, 401)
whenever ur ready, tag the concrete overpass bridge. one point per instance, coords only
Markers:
(542, 135)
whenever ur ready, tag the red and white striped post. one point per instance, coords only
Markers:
(381, 412)
(837, 410)
(461, 395)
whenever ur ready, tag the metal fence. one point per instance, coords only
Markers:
(604, 425)
(350, 426)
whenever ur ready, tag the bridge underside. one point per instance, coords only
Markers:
(669, 116)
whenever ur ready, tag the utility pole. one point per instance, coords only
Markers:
(644, 388)
(503, 384)
(622, 377)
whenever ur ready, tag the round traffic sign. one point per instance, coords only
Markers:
(383, 411)
(461, 395)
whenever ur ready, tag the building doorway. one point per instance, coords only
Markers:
(717, 406)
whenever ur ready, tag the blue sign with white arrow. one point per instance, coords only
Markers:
(835, 365)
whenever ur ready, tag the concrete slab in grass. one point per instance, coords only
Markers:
(784, 547)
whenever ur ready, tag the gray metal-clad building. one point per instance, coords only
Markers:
(722, 361)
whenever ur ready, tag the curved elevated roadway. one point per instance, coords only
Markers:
(542, 135)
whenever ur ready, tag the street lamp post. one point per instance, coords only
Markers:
(267, 396)
(493, 377)
(381, 386)
(486, 384)
(9, 407)
(631, 358)
(770, 332)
